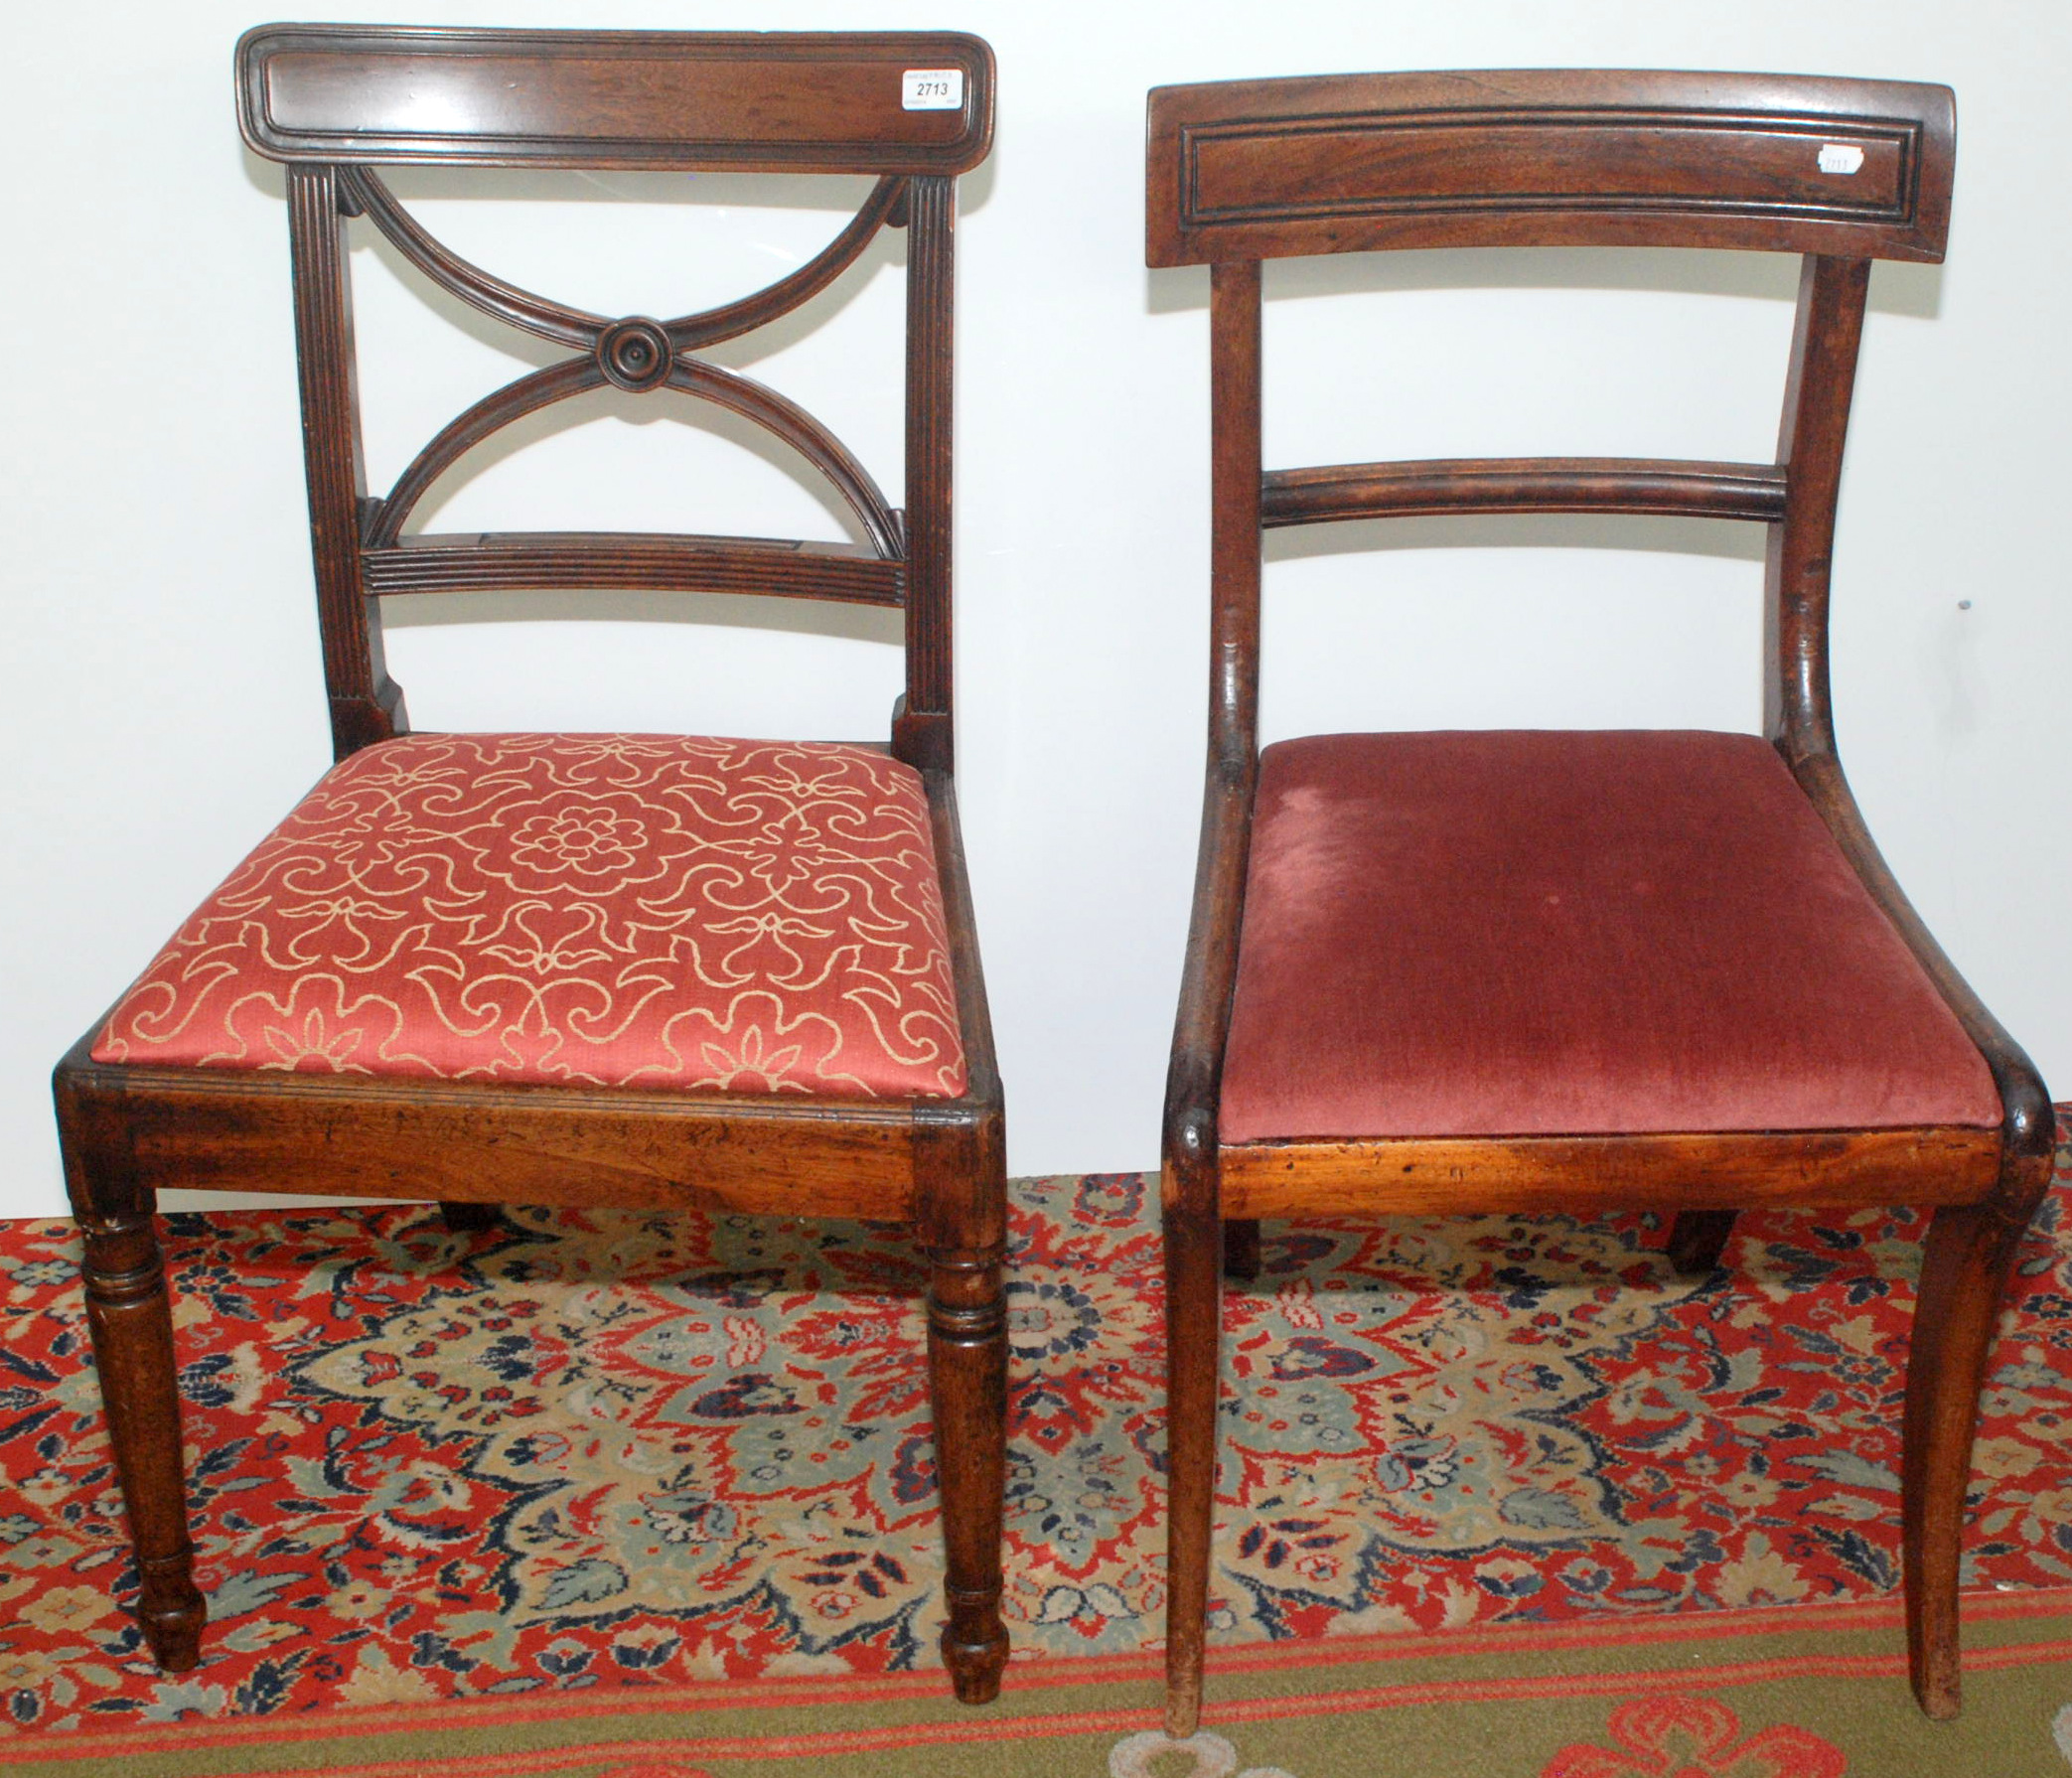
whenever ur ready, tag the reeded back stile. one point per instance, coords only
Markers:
(336, 104)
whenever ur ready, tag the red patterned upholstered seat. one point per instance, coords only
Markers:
(1525, 933)
(610, 910)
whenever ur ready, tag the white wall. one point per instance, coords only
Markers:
(164, 700)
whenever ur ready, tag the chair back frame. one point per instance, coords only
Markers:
(335, 103)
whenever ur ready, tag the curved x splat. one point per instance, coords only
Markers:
(633, 354)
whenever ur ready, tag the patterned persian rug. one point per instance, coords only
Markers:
(596, 1467)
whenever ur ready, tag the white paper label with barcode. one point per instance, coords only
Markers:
(1841, 157)
(932, 89)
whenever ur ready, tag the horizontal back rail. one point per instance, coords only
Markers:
(1344, 163)
(1752, 490)
(631, 561)
(748, 102)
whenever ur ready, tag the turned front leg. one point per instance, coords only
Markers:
(130, 1316)
(967, 1374)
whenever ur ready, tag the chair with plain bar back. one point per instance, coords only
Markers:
(638, 970)
(1508, 971)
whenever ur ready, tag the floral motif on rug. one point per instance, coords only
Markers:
(620, 1449)
(1697, 1737)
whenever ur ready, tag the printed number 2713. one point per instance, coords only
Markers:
(932, 89)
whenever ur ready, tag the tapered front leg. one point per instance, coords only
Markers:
(1698, 1237)
(968, 1373)
(130, 1316)
(1194, 1338)
(1970, 1250)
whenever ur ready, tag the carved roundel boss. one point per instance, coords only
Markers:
(636, 354)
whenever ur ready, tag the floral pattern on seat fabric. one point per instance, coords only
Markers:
(644, 911)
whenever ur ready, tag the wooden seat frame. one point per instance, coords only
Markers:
(335, 103)
(1839, 170)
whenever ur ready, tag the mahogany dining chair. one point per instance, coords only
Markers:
(632, 970)
(1516, 972)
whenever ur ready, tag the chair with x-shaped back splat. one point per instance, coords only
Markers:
(1507, 971)
(639, 971)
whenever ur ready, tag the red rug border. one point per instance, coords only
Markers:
(1052, 1673)
(893, 1737)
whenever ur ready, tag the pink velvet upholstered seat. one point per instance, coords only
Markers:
(1531, 932)
(610, 910)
